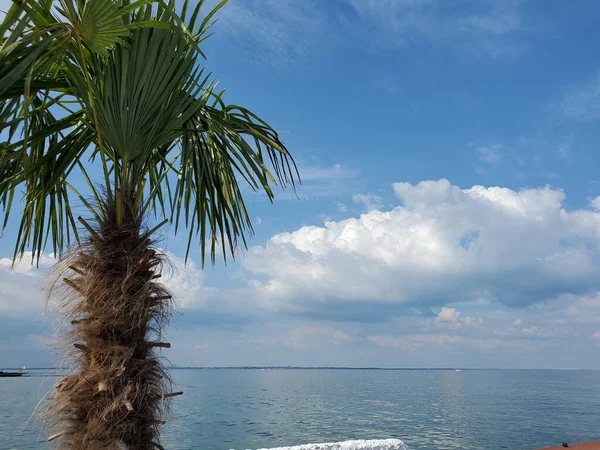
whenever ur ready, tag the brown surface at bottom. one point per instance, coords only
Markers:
(587, 446)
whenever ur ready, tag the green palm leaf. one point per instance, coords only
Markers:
(101, 25)
(122, 79)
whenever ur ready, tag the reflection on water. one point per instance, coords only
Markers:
(224, 409)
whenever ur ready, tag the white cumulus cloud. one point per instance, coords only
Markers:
(443, 244)
(186, 283)
(451, 318)
(21, 286)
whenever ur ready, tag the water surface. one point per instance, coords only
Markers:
(428, 409)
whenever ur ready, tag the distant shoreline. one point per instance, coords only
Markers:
(448, 369)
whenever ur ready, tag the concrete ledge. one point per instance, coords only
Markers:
(378, 444)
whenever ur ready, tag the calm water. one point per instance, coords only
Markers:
(239, 409)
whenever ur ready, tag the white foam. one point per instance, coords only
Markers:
(377, 444)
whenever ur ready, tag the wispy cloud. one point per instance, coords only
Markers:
(565, 151)
(582, 101)
(321, 181)
(488, 157)
(417, 341)
(532, 157)
(478, 27)
(369, 201)
(341, 207)
(490, 154)
(270, 30)
(282, 32)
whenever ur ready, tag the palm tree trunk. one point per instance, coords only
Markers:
(115, 394)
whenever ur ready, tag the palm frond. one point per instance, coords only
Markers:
(43, 169)
(139, 97)
(101, 26)
(215, 156)
(122, 79)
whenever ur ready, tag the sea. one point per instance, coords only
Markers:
(250, 408)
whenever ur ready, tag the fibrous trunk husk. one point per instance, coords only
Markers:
(114, 396)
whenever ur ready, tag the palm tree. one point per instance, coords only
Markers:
(105, 111)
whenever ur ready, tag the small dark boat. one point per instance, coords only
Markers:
(10, 374)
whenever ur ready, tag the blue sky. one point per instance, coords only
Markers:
(449, 214)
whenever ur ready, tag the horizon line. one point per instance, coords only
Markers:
(289, 367)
